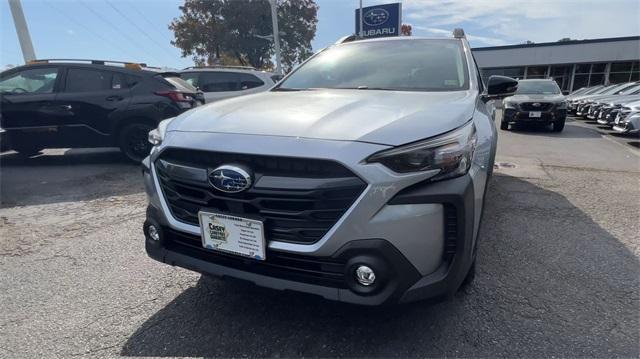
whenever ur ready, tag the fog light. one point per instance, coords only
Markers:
(153, 232)
(365, 275)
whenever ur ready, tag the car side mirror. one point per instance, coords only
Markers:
(499, 87)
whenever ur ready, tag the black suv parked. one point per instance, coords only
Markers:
(88, 103)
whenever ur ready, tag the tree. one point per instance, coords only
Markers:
(225, 31)
(406, 30)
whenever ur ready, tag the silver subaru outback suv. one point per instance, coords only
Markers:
(360, 177)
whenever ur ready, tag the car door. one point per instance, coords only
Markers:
(92, 99)
(27, 98)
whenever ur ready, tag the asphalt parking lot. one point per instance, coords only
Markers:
(558, 268)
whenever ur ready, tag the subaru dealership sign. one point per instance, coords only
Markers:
(380, 20)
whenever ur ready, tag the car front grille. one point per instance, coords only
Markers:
(298, 199)
(529, 106)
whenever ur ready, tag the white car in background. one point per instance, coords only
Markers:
(221, 82)
(628, 119)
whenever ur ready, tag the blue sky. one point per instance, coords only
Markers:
(136, 30)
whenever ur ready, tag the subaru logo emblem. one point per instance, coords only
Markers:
(375, 17)
(230, 179)
(536, 104)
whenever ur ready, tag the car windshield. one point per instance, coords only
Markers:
(613, 89)
(537, 88)
(593, 90)
(631, 90)
(403, 65)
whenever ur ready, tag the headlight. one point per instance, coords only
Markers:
(450, 153)
(157, 136)
(632, 116)
(510, 104)
(561, 105)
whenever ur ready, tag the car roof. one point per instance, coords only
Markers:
(225, 69)
(140, 71)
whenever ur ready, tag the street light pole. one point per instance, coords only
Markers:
(360, 22)
(22, 30)
(276, 34)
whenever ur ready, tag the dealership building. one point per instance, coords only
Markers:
(573, 64)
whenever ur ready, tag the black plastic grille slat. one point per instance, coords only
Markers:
(290, 215)
(318, 270)
(450, 231)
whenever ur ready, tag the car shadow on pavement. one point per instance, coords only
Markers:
(64, 157)
(570, 131)
(550, 282)
(66, 175)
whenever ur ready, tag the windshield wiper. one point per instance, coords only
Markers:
(291, 89)
(364, 87)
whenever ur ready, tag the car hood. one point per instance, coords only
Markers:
(374, 116)
(635, 105)
(528, 98)
(589, 97)
(617, 99)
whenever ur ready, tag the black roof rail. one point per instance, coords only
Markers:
(220, 67)
(127, 64)
(348, 38)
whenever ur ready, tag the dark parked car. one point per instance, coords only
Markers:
(59, 103)
(535, 101)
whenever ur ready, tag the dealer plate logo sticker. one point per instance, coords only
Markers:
(231, 234)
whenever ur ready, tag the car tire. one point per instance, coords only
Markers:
(558, 126)
(504, 125)
(133, 141)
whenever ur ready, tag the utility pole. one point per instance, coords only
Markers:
(22, 30)
(360, 32)
(276, 34)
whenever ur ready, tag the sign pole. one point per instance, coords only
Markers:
(23, 31)
(360, 32)
(276, 34)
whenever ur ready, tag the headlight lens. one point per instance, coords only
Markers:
(451, 153)
(509, 104)
(157, 136)
(561, 105)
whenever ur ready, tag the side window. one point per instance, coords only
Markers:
(133, 80)
(39, 80)
(248, 81)
(118, 82)
(191, 78)
(82, 80)
(218, 81)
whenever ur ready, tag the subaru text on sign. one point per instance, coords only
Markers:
(380, 20)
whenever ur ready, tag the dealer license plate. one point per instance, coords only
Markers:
(535, 114)
(231, 234)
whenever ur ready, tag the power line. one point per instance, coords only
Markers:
(139, 28)
(106, 40)
(112, 25)
(144, 17)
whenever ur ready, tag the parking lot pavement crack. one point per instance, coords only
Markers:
(591, 169)
(74, 261)
(119, 312)
(95, 351)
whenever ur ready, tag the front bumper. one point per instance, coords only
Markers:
(519, 116)
(626, 127)
(418, 235)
